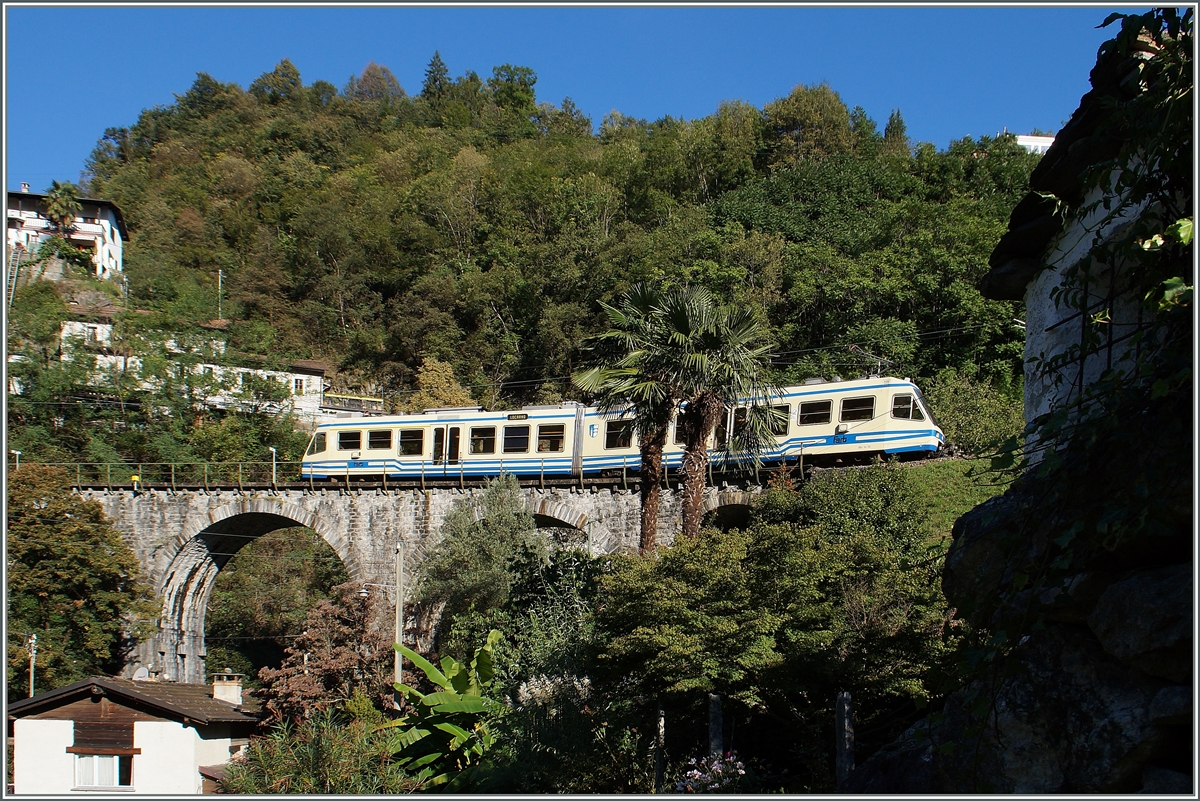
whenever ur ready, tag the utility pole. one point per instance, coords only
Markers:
(660, 741)
(32, 660)
(844, 732)
(399, 659)
(716, 726)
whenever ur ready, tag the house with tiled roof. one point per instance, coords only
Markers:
(136, 736)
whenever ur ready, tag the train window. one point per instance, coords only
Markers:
(349, 440)
(412, 441)
(815, 412)
(439, 445)
(618, 434)
(857, 409)
(516, 439)
(905, 408)
(680, 439)
(551, 439)
(317, 445)
(779, 424)
(380, 439)
(483, 440)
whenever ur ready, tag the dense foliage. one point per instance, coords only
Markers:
(333, 752)
(344, 650)
(831, 587)
(71, 580)
(473, 224)
(262, 597)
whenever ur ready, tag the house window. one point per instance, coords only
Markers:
(103, 770)
(551, 439)
(298, 386)
(90, 334)
(857, 409)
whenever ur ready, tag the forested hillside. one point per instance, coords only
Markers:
(473, 224)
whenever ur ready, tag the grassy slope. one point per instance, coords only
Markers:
(949, 488)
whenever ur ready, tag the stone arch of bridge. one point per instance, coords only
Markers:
(199, 554)
(550, 513)
(723, 498)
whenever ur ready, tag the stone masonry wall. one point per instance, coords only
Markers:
(182, 539)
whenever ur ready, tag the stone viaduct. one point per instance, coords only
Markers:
(183, 538)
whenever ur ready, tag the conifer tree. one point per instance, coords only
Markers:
(437, 80)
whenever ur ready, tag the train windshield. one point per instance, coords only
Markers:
(317, 445)
(925, 406)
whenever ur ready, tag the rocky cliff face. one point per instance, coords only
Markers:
(1091, 687)
(1077, 584)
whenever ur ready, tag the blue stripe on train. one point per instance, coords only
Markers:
(536, 465)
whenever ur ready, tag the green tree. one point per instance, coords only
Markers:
(72, 581)
(512, 87)
(376, 84)
(62, 205)
(895, 135)
(811, 122)
(437, 81)
(976, 415)
(333, 752)
(723, 357)
(638, 379)
(281, 83)
(831, 587)
(436, 387)
(470, 568)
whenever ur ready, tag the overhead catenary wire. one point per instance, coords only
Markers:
(777, 361)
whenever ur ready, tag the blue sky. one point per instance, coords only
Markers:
(952, 71)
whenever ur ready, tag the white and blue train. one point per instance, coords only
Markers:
(825, 421)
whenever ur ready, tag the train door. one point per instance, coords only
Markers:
(439, 446)
(446, 446)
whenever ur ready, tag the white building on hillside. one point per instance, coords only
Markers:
(1035, 144)
(99, 228)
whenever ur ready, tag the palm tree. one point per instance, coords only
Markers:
(725, 355)
(678, 351)
(62, 205)
(638, 380)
